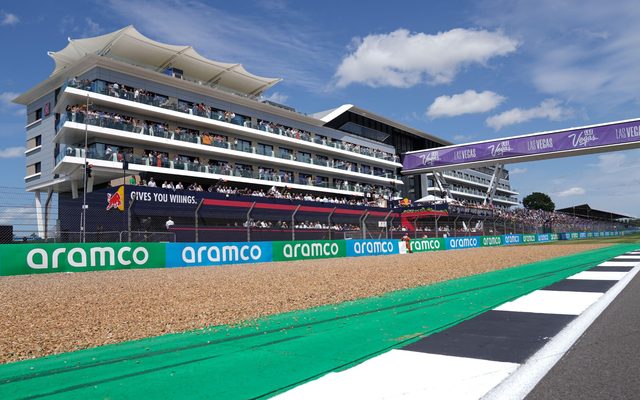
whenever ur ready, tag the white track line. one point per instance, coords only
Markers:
(521, 382)
(619, 264)
(627, 257)
(408, 375)
(552, 302)
(415, 375)
(599, 275)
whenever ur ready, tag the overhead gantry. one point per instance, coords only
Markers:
(571, 142)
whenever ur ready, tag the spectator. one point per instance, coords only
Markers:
(407, 241)
(169, 224)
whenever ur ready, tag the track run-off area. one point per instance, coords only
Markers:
(267, 357)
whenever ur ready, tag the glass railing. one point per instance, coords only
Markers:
(184, 165)
(322, 162)
(478, 180)
(63, 119)
(285, 156)
(107, 121)
(264, 152)
(268, 176)
(186, 137)
(242, 147)
(92, 153)
(481, 194)
(157, 100)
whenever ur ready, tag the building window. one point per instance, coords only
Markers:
(304, 157)
(34, 116)
(242, 145)
(244, 170)
(305, 179)
(322, 181)
(264, 149)
(286, 176)
(267, 173)
(34, 142)
(33, 169)
(321, 160)
(285, 153)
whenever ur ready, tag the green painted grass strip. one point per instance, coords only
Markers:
(269, 355)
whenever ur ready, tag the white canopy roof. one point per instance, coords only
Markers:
(130, 46)
(429, 198)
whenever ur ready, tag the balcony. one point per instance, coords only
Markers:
(157, 138)
(477, 194)
(155, 105)
(474, 180)
(71, 157)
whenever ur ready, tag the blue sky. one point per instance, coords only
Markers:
(461, 70)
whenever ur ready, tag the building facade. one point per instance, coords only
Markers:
(122, 106)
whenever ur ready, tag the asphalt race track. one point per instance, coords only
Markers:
(456, 339)
(605, 362)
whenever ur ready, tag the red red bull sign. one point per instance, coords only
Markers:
(116, 200)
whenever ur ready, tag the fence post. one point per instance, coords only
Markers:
(363, 225)
(455, 223)
(47, 203)
(196, 219)
(435, 227)
(329, 221)
(249, 221)
(386, 227)
(293, 223)
(392, 219)
(415, 227)
(129, 219)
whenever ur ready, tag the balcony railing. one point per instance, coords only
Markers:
(182, 165)
(157, 130)
(156, 100)
(471, 178)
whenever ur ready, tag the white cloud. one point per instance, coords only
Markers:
(611, 181)
(87, 27)
(611, 162)
(549, 109)
(12, 152)
(462, 138)
(92, 28)
(8, 107)
(517, 171)
(469, 102)
(23, 219)
(403, 59)
(277, 43)
(277, 97)
(573, 191)
(587, 54)
(8, 19)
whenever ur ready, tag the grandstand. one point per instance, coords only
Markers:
(128, 131)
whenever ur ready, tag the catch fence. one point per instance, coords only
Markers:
(251, 219)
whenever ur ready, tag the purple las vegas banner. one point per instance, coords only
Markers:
(574, 140)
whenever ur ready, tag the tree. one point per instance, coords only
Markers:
(538, 201)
